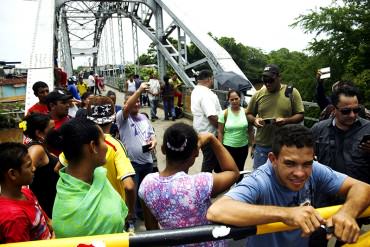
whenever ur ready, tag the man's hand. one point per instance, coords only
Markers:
(305, 217)
(153, 144)
(258, 122)
(144, 86)
(345, 227)
(365, 146)
(280, 121)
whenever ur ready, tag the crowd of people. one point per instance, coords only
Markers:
(91, 170)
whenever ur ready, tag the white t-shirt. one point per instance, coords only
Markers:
(204, 103)
(131, 86)
(91, 81)
(154, 88)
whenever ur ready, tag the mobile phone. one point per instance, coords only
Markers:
(146, 148)
(269, 120)
(365, 139)
(325, 73)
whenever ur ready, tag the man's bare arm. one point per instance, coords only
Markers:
(357, 200)
(232, 212)
(213, 120)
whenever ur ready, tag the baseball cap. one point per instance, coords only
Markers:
(101, 112)
(270, 70)
(56, 95)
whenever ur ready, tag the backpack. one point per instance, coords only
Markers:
(289, 93)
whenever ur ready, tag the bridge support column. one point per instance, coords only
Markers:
(162, 66)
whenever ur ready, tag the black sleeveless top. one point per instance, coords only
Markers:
(44, 182)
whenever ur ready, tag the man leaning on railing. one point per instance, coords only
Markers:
(285, 188)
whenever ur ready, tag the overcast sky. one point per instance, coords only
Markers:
(262, 24)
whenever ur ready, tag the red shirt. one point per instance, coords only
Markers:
(40, 108)
(59, 122)
(22, 220)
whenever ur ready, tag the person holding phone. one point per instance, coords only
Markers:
(137, 134)
(271, 107)
(342, 142)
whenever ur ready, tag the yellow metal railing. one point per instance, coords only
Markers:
(182, 236)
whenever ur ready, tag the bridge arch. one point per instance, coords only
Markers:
(61, 22)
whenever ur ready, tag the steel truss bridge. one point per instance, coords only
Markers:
(66, 29)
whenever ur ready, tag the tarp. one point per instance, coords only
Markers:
(231, 80)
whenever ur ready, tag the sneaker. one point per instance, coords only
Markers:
(173, 118)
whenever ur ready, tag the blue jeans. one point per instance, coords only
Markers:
(169, 109)
(141, 170)
(153, 108)
(260, 156)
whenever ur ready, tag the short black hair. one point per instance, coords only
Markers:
(11, 156)
(344, 90)
(179, 141)
(291, 135)
(35, 121)
(71, 137)
(37, 86)
(204, 74)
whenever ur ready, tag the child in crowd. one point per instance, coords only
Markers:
(21, 217)
(85, 98)
(36, 126)
(81, 85)
(120, 172)
(177, 199)
(114, 129)
(86, 203)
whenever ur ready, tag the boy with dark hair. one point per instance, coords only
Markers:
(21, 217)
(41, 90)
(58, 104)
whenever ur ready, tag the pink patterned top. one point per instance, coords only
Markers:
(180, 200)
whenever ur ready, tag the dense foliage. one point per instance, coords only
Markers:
(342, 40)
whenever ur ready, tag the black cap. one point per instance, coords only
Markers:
(56, 95)
(270, 70)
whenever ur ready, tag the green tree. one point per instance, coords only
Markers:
(343, 37)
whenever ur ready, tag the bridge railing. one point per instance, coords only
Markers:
(188, 235)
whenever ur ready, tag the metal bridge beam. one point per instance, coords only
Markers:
(90, 17)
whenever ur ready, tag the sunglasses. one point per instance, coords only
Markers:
(347, 111)
(266, 79)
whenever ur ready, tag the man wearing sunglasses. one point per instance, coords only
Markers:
(270, 108)
(339, 141)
